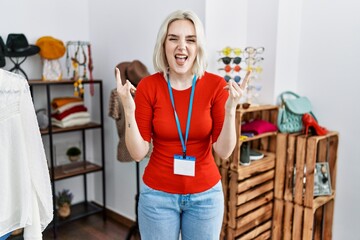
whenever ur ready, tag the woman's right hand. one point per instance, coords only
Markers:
(125, 92)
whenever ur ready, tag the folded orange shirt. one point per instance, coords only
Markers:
(61, 101)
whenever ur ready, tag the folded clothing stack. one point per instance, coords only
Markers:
(68, 112)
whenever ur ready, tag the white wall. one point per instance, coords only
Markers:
(311, 47)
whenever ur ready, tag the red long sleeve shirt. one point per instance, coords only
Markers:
(155, 118)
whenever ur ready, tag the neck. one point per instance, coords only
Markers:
(180, 82)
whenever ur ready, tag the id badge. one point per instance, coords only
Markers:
(184, 166)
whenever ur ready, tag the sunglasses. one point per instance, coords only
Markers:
(253, 60)
(236, 78)
(226, 51)
(254, 51)
(228, 68)
(257, 69)
(227, 60)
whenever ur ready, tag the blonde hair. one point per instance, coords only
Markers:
(159, 56)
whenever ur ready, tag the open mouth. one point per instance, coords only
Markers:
(180, 59)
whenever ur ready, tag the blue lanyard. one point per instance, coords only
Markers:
(183, 143)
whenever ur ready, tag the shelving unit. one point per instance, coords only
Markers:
(82, 168)
(248, 190)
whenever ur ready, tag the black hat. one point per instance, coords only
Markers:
(18, 46)
(2, 53)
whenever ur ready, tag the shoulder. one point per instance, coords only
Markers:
(151, 81)
(211, 79)
(151, 78)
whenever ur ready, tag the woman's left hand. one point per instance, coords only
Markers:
(235, 93)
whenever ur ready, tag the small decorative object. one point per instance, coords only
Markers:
(80, 62)
(73, 153)
(42, 118)
(63, 201)
(51, 50)
(322, 183)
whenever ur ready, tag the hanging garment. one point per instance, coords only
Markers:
(24, 176)
(116, 111)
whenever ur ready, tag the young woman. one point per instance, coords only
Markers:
(186, 112)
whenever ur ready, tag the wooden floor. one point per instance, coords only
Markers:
(90, 228)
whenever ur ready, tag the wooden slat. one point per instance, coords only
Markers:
(256, 222)
(288, 220)
(280, 165)
(257, 232)
(308, 224)
(253, 193)
(242, 221)
(328, 220)
(318, 224)
(257, 202)
(254, 181)
(264, 236)
(265, 164)
(311, 154)
(297, 222)
(300, 161)
(277, 219)
(290, 162)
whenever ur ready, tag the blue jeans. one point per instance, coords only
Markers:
(163, 215)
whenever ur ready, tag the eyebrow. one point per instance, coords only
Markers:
(174, 35)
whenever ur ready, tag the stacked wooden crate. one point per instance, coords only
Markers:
(249, 194)
(297, 213)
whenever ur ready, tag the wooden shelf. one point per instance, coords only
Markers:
(38, 82)
(263, 135)
(70, 129)
(74, 169)
(256, 108)
(78, 210)
(80, 168)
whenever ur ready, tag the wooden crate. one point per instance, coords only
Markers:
(250, 198)
(250, 188)
(297, 213)
(265, 142)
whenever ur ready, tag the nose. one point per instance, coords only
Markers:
(182, 45)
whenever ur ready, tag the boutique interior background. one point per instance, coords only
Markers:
(312, 47)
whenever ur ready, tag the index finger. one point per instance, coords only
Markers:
(118, 78)
(245, 81)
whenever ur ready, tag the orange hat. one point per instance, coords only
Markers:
(50, 48)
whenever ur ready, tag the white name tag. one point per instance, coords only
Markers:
(184, 166)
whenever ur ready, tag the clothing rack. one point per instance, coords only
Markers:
(134, 230)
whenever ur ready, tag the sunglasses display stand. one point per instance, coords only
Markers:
(236, 62)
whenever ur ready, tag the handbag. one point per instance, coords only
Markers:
(291, 111)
